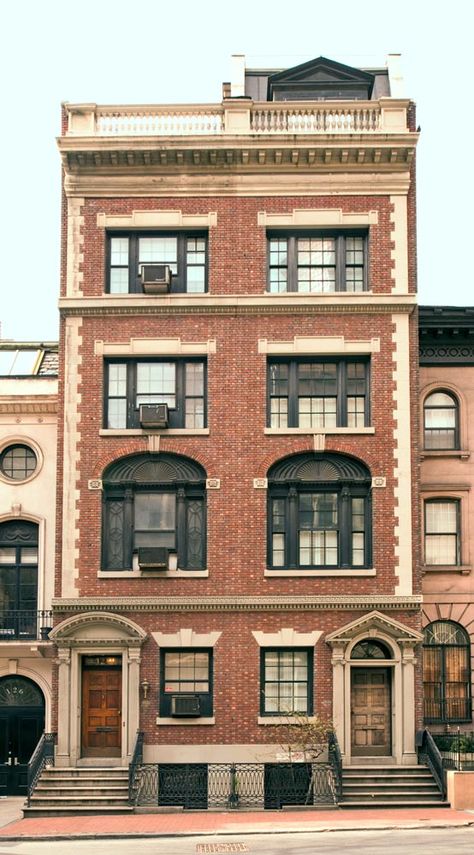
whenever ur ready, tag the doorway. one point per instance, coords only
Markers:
(371, 712)
(21, 725)
(101, 706)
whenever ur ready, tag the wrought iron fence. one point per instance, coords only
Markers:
(235, 785)
(134, 769)
(430, 755)
(445, 710)
(456, 749)
(42, 756)
(25, 624)
(335, 760)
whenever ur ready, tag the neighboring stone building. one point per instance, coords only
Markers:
(447, 479)
(28, 437)
(238, 508)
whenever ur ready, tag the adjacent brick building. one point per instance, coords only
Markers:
(238, 511)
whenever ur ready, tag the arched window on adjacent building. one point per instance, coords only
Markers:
(441, 421)
(18, 579)
(446, 673)
(319, 512)
(154, 502)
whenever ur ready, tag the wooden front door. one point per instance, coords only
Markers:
(101, 711)
(370, 712)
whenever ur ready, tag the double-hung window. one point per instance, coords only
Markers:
(317, 263)
(179, 383)
(186, 673)
(286, 681)
(319, 513)
(318, 393)
(185, 253)
(441, 421)
(442, 532)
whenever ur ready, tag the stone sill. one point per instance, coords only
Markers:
(455, 452)
(462, 569)
(158, 431)
(200, 720)
(156, 574)
(317, 430)
(281, 719)
(275, 574)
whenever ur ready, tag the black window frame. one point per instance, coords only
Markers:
(29, 455)
(442, 708)
(177, 414)
(179, 280)
(206, 698)
(430, 431)
(342, 476)
(159, 474)
(19, 619)
(441, 500)
(342, 383)
(340, 236)
(309, 680)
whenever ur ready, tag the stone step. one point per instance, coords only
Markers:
(429, 787)
(73, 809)
(43, 790)
(399, 802)
(390, 795)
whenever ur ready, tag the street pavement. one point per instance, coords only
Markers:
(201, 823)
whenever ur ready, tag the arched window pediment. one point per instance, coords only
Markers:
(154, 468)
(318, 466)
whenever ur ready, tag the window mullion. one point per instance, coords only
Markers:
(345, 528)
(293, 398)
(133, 277)
(181, 545)
(340, 263)
(181, 279)
(132, 416)
(292, 264)
(341, 403)
(292, 529)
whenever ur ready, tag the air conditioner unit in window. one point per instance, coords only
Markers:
(156, 278)
(154, 415)
(153, 557)
(185, 705)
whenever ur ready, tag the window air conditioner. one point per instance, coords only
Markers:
(156, 278)
(185, 705)
(154, 415)
(153, 557)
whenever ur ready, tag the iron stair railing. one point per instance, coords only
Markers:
(42, 756)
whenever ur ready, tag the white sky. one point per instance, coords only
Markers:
(152, 51)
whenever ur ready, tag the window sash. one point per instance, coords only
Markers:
(184, 252)
(179, 383)
(286, 681)
(186, 672)
(317, 529)
(442, 532)
(447, 682)
(317, 263)
(318, 393)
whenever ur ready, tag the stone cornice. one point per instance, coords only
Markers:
(235, 305)
(237, 603)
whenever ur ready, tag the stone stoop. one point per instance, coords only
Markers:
(389, 787)
(62, 792)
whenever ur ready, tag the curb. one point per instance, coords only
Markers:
(123, 835)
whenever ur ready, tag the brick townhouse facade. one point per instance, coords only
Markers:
(238, 502)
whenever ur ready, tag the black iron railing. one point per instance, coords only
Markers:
(23, 625)
(447, 710)
(135, 770)
(335, 760)
(431, 756)
(42, 756)
(234, 785)
(456, 749)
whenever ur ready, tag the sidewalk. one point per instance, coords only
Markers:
(13, 827)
